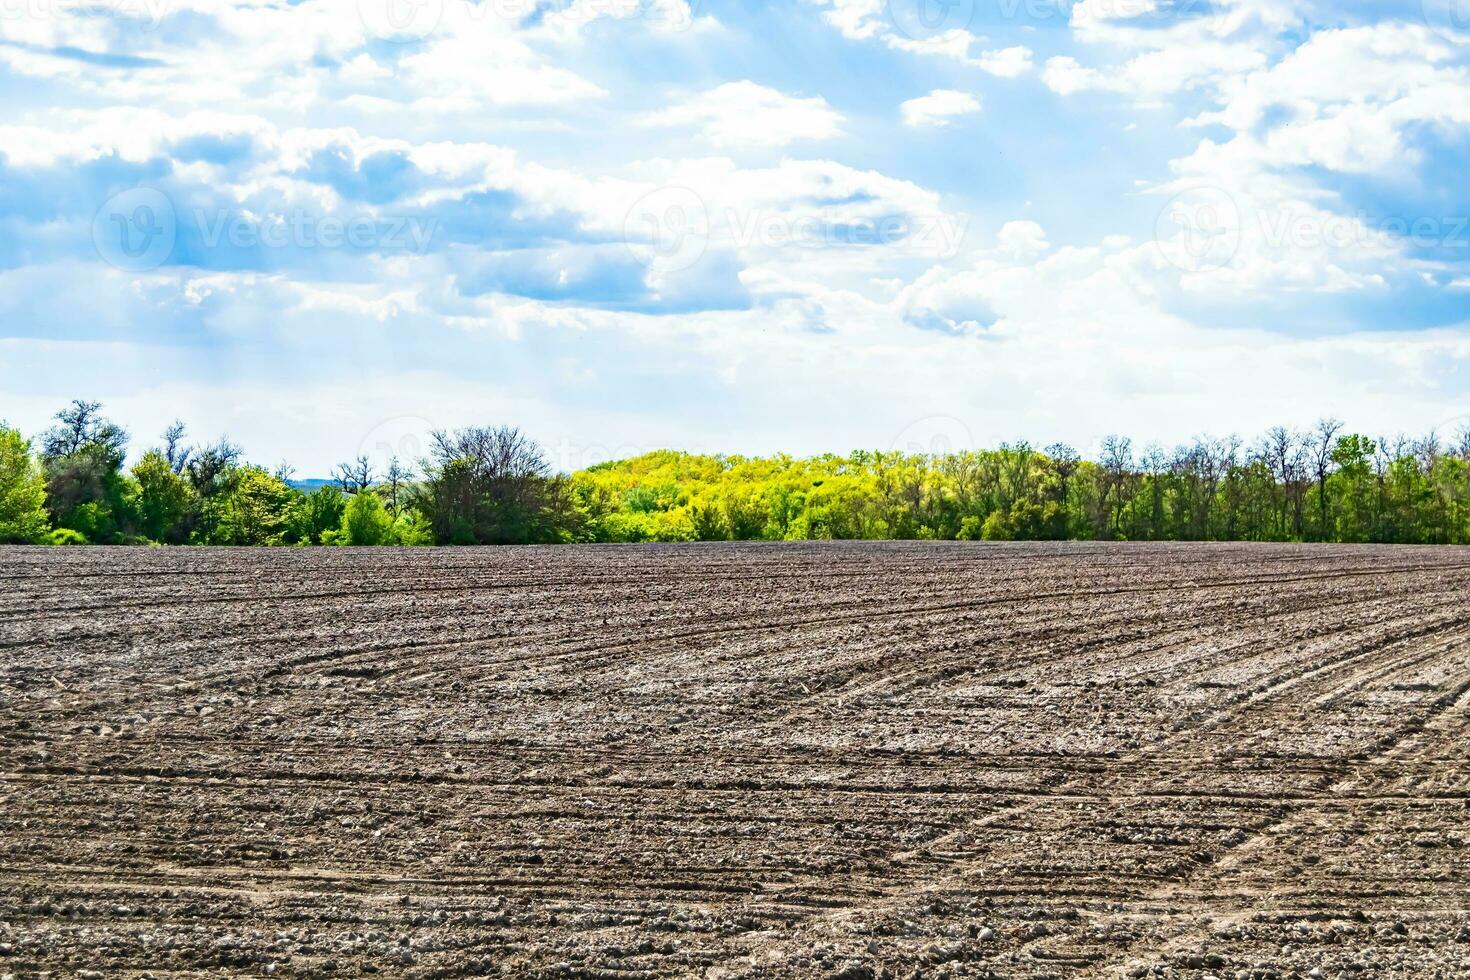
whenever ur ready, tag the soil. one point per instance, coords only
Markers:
(825, 760)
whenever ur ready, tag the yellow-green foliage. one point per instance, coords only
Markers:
(670, 496)
(22, 491)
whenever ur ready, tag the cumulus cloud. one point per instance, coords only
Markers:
(1022, 239)
(747, 114)
(911, 27)
(938, 107)
(1007, 62)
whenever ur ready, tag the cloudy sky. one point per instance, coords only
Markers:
(328, 226)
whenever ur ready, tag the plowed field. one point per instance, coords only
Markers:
(853, 760)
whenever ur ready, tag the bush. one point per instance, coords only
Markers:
(366, 522)
(164, 499)
(65, 536)
(315, 516)
(22, 492)
(412, 530)
(494, 486)
(248, 506)
(995, 528)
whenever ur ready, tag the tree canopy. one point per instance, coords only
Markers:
(493, 485)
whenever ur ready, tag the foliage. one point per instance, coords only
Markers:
(85, 488)
(65, 536)
(250, 508)
(164, 500)
(23, 517)
(412, 530)
(1286, 488)
(366, 522)
(494, 486)
(313, 515)
(81, 426)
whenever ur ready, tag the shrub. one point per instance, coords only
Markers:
(315, 515)
(164, 500)
(366, 522)
(22, 492)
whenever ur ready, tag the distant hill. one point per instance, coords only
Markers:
(307, 486)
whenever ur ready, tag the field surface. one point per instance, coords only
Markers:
(846, 761)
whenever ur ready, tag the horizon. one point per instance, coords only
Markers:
(931, 437)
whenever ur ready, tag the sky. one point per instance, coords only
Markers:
(328, 227)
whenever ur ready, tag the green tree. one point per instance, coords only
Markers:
(314, 514)
(366, 522)
(494, 486)
(250, 509)
(165, 499)
(85, 489)
(22, 491)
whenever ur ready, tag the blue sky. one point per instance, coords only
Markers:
(329, 226)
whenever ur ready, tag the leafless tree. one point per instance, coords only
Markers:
(284, 471)
(493, 486)
(1428, 450)
(1117, 467)
(1324, 438)
(1065, 460)
(1155, 464)
(174, 449)
(354, 477)
(208, 467)
(1284, 453)
(396, 478)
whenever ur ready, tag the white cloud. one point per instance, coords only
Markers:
(1022, 239)
(664, 16)
(862, 20)
(1154, 74)
(1007, 62)
(938, 107)
(747, 114)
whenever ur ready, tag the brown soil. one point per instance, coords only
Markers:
(852, 760)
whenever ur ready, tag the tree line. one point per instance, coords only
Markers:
(493, 485)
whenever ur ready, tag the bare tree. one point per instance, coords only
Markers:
(493, 486)
(1117, 466)
(1462, 442)
(1284, 453)
(1155, 464)
(354, 477)
(1428, 450)
(174, 449)
(284, 471)
(1324, 439)
(1065, 460)
(210, 467)
(396, 478)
